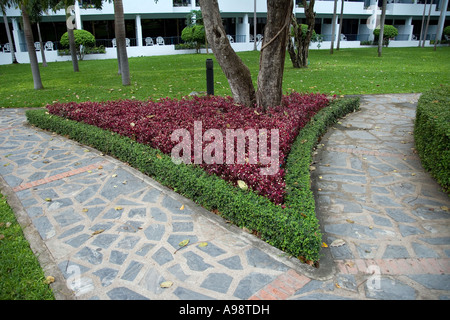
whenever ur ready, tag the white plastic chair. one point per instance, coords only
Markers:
(230, 38)
(37, 46)
(149, 41)
(160, 41)
(6, 48)
(127, 41)
(49, 46)
(114, 42)
(259, 37)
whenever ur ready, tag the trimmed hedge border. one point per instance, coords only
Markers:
(432, 134)
(293, 229)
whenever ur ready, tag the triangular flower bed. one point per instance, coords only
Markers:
(279, 206)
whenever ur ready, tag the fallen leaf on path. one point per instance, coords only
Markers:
(184, 243)
(49, 280)
(166, 284)
(324, 245)
(203, 244)
(337, 243)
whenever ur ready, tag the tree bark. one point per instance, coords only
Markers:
(381, 37)
(426, 28)
(8, 33)
(333, 27)
(41, 44)
(341, 22)
(299, 50)
(237, 73)
(31, 50)
(121, 42)
(72, 45)
(273, 53)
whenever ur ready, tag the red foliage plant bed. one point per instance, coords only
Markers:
(154, 123)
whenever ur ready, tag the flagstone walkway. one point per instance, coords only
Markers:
(105, 231)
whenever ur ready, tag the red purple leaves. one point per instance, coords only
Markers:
(153, 123)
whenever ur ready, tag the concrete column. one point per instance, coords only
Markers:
(78, 15)
(16, 35)
(139, 31)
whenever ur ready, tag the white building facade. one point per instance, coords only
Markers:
(155, 28)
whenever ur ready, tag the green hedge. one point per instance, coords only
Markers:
(432, 134)
(294, 229)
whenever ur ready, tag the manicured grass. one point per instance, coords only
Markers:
(347, 71)
(21, 277)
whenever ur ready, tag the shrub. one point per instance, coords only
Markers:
(432, 134)
(194, 34)
(389, 32)
(447, 31)
(291, 227)
(83, 40)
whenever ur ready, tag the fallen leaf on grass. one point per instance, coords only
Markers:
(242, 185)
(2, 236)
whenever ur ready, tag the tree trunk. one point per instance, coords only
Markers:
(121, 42)
(381, 37)
(299, 50)
(31, 50)
(341, 22)
(423, 23)
(237, 73)
(72, 45)
(273, 53)
(333, 27)
(441, 23)
(41, 44)
(8, 33)
(426, 28)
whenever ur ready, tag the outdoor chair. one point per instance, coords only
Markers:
(114, 42)
(37, 46)
(259, 37)
(49, 46)
(127, 41)
(160, 41)
(6, 48)
(230, 38)
(149, 41)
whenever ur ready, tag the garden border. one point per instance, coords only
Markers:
(293, 229)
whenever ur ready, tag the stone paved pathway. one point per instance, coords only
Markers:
(105, 231)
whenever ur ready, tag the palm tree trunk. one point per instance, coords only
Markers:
(31, 50)
(8, 33)
(423, 23)
(341, 22)
(72, 45)
(121, 42)
(41, 44)
(333, 27)
(426, 28)
(381, 37)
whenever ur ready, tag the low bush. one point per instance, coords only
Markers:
(432, 134)
(292, 226)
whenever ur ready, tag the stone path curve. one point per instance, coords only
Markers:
(105, 231)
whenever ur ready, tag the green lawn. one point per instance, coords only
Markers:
(21, 277)
(348, 71)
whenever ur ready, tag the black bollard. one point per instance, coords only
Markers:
(210, 77)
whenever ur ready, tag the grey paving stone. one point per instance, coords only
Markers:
(409, 230)
(71, 232)
(35, 212)
(260, 259)
(138, 213)
(151, 196)
(44, 227)
(79, 240)
(132, 271)
(196, 262)
(399, 215)
(384, 201)
(219, 282)
(87, 194)
(152, 281)
(69, 268)
(178, 272)
(145, 249)
(423, 251)
(162, 256)
(158, 215)
(130, 227)
(430, 213)
(123, 293)
(381, 221)
(175, 239)
(395, 252)
(106, 275)
(186, 294)
(212, 250)
(155, 232)
(59, 203)
(90, 255)
(347, 281)
(389, 289)
(68, 217)
(232, 263)
(104, 240)
(437, 240)
(251, 284)
(433, 281)
(118, 257)
(128, 242)
(182, 226)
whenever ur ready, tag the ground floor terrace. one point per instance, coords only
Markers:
(160, 33)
